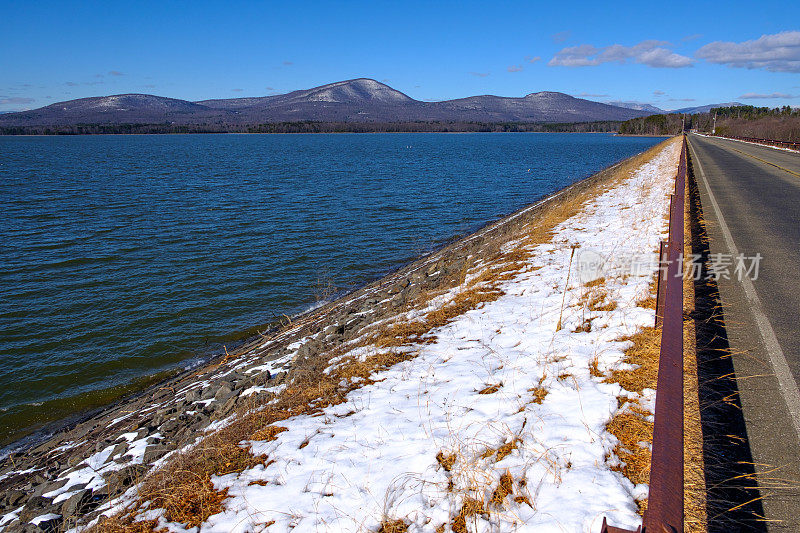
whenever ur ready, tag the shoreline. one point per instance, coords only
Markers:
(163, 418)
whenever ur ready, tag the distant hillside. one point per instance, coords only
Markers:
(360, 100)
(639, 106)
(704, 108)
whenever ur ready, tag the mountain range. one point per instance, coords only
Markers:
(358, 100)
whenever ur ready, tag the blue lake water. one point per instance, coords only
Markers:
(125, 256)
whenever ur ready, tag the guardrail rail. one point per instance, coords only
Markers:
(665, 497)
(769, 142)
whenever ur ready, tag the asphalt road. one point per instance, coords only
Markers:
(750, 197)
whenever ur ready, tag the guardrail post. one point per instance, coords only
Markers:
(662, 248)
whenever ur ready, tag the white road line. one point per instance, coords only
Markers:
(777, 359)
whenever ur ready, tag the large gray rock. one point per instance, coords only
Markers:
(76, 504)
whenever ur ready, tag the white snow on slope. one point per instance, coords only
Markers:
(374, 456)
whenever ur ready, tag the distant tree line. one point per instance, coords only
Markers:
(313, 127)
(653, 125)
(778, 123)
(749, 112)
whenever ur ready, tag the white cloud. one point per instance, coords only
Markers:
(663, 58)
(477, 74)
(754, 96)
(514, 68)
(561, 36)
(651, 53)
(116, 73)
(659, 93)
(575, 56)
(533, 59)
(15, 100)
(777, 53)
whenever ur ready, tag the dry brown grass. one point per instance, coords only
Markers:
(595, 283)
(127, 523)
(539, 394)
(644, 354)
(469, 509)
(630, 425)
(595, 298)
(184, 489)
(594, 368)
(269, 433)
(446, 461)
(490, 389)
(393, 526)
(506, 449)
(504, 488)
(404, 333)
(631, 428)
(597, 304)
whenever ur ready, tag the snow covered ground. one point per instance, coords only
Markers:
(498, 424)
(504, 397)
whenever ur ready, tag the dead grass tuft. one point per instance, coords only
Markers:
(418, 331)
(597, 305)
(393, 526)
(641, 506)
(523, 499)
(269, 433)
(632, 428)
(470, 508)
(446, 461)
(127, 523)
(189, 500)
(490, 389)
(506, 449)
(504, 489)
(596, 295)
(595, 282)
(594, 368)
(644, 354)
(648, 303)
(184, 489)
(539, 394)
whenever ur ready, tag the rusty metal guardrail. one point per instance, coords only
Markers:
(768, 142)
(665, 497)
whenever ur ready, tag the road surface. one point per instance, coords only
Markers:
(750, 198)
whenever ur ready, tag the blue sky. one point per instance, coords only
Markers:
(670, 54)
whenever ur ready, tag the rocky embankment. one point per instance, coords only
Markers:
(66, 480)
